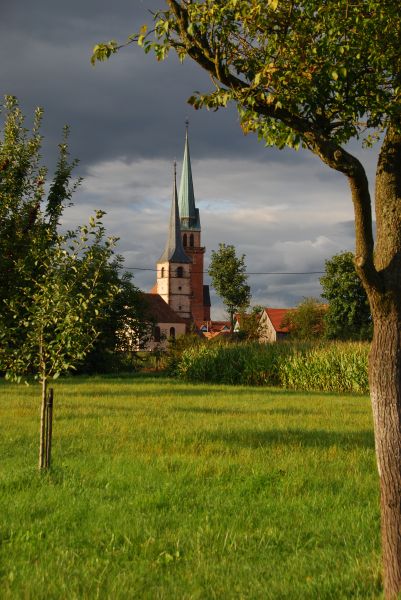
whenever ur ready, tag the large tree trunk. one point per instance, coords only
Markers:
(385, 389)
(385, 359)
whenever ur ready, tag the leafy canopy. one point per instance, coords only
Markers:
(29, 215)
(52, 286)
(348, 316)
(52, 318)
(300, 71)
(228, 273)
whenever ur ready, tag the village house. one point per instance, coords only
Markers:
(270, 325)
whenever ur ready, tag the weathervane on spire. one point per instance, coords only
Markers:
(186, 124)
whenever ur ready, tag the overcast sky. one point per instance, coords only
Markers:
(283, 209)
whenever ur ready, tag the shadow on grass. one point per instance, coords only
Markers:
(96, 411)
(172, 384)
(318, 438)
(188, 391)
(234, 411)
(116, 378)
(211, 411)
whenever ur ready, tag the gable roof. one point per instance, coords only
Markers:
(276, 316)
(160, 311)
(214, 327)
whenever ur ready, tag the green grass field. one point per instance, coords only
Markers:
(167, 490)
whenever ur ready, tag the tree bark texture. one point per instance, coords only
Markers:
(385, 390)
(385, 359)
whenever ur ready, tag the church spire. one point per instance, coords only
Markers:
(189, 214)
(174, 251)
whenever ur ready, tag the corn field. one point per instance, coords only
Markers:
(330, 366)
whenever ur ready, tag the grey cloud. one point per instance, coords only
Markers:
(130, 106)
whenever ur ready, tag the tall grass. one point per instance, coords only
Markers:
(245, 363)
(332, 366)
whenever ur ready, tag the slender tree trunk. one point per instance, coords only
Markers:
(231, 313)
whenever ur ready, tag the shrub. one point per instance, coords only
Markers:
(177, 347)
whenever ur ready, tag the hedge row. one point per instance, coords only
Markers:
(333, 366)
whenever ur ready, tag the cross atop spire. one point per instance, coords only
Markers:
(189, 214)
(174, 251)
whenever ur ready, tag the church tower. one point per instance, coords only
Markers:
(191, 240)
(174, 266)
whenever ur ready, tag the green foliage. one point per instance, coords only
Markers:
(39, 267)
(61, 189)
(228, 274)
(167, 490)
(292, 68)
(336, 367)
(177, 347)
(249, 324)
(125, 327)
(28, 219)
(50, 322)
(306, 322)
(348, 315)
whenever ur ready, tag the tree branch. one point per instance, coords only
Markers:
(315, 135)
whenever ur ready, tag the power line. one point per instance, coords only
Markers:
(124, 268)
(247, 273)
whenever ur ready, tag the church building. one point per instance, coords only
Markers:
(180, 268)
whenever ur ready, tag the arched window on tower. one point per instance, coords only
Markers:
(172, 332)
(156, 334)
(184, 239)
(180, 272)
(191, 240)
(162, 272)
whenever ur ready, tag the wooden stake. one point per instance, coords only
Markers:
(49, 427)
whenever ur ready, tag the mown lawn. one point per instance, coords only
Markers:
(164, 490)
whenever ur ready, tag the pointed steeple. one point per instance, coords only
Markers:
(174, 251)
(189, 214)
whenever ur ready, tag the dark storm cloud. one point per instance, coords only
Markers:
(130, 106)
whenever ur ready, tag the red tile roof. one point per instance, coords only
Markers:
(214, 326)
(276, 316)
